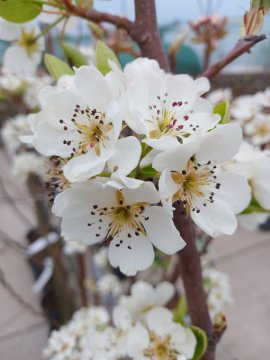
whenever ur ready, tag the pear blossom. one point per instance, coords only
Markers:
(129, 218)
(109, 284)
(27, 163)
(168, 109)
(145, 297)
(81, 124)
(219, 95)
(9, 82)
(218, 289)
(26, 47)
(100, 258)
(245, 107)
(190, 173)
(160, 338)
(74, 247)
(253, 164)
(258, 130)
(13, 129)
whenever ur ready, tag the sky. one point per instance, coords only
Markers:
(170, 10)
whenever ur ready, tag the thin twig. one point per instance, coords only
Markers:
(241, 47)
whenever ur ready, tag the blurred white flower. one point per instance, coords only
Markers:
(74, 247)
(258, 129)
(218, 289)
(245, 107)
(28, 163)
(100, 258)
(10, 82)
(145, 297)
(25, 53)
(109, 284)
(220, 95)
(12, 130)
(33, 87)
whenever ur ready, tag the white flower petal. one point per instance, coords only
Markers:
(215, 219)
(161, 231)
(220, 144)
(176, 158)
(131, 255)
(159, 320)
(127, 152)
(93, 87)
(164, 292)
(26, 65)
(137, 342)
(145, 193)
(234, 191)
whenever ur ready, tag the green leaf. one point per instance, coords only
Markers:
(20, 11)
(97, 30)
(56, 67)
(254, 207)
(201, 342)
(223, 109)
(74, 56)
(103, 54)
(180, 311)
(148, 171)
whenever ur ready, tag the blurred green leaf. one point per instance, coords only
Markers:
(223, 109)
(180, 311)
(20, 11)
(56, 67)
(103, 54)
(97, 30)
(74, 56)
(201, 342)
(254, 206)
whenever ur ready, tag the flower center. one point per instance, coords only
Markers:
(165, 120)
(262, 129)
(90, 124)
(29, 42)
(160, 348)
(124, 219)
(194, 182)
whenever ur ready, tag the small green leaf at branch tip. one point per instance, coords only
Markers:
(20, 11)
(74, 56)
(254, 207)
(103, 55)
(56, 67)
(223, 109)
(180, 311)
(201, 338)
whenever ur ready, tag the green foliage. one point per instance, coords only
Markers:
(20, 11)
(253, 207)
(97, 30)
(56, 67)
(201, 342)
(88, 4)
(148, 172)
(260, 4)
(223, 109)
(180, 311)
(74, 56)
(103, 54)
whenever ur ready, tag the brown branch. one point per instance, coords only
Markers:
(144, 30)
(241, 47)
(98, 17)
(190, 268)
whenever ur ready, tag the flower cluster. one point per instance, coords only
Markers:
(142, 329)
(218, 289)
(130, 145)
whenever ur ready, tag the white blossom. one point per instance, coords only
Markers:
(145, 297)
(160, 338)
(100, 258)
(25, 47)
(109, 284)
(27, 163)
(220, 95)
(258, 129)
(190, 173)
(218, 290)
(130, 217)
